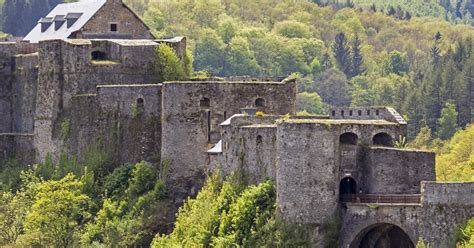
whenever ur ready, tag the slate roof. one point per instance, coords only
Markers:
(83, 10)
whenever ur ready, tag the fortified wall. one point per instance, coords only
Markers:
(68, 96)
(343, 168)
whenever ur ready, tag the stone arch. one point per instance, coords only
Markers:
(382, 139)
(260, 102)
(348, 138)
(382, 235)
(98, 55)
(347, 186)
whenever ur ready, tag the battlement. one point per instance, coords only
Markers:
(367, 113)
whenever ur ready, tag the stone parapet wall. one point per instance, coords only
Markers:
(460, 193)
(396, 171)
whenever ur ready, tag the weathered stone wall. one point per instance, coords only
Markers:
(128, 23)
(187, 107)
(7, 51)
(307, 172)
(17, 146)
(67, 70)
(445, 208)
(24, 92)
(249, 145)
(396, 171)
(460, 193)
(134, 111)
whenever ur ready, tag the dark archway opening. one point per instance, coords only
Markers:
(98, 55)
(382, 236)
(383, 139)
(348, 139)
(260, 102)
(347, 186)
(205, 102)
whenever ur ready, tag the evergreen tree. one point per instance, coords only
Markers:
(357, 58)
(447, 123)
(342, 53)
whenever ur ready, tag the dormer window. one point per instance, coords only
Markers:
(45, 23)
(71, 18)
(59, 20)
(113, 27)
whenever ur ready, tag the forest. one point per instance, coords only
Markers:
(416, 56)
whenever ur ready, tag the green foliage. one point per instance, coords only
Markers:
(14, 208)
(421, 244)
(447, 123)
(226, 214)
(342, 53)
(57, 212)
(401, 142)
(10, 179)
(292, 29)
(309, 102)
(167, 66)
(422, 140)
(65, 129)
(396, 62)
(466, 235)
(455, 158)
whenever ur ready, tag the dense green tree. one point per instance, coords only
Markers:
(57, 212)
(240, 60)
(292, 29)
(357, 57)
(342, 53)
(209, 52)
(167, 66)
(447, 123)
(333, 87)
(309, 102)
(396, 62)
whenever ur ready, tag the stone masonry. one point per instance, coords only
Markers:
(64, 96)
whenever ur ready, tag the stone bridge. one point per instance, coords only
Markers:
(443, 208)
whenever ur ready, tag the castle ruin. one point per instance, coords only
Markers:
(67, 90)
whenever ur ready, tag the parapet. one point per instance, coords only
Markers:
(367, 113)
(448, 193)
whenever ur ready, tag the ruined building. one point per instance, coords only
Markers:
(87, 82)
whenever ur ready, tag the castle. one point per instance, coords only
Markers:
(82, 78)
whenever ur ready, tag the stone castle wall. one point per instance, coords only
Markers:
(396, 171)
(249, 145)
(307, 172)
(24, 88)
(192, 112)
(69, 71)
(129, 25)
(445, 208)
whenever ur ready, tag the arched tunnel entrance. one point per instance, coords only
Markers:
(347, 186)
(382, 236)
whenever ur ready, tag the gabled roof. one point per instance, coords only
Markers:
(83, 10)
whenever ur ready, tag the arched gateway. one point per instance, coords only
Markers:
(382, 235)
